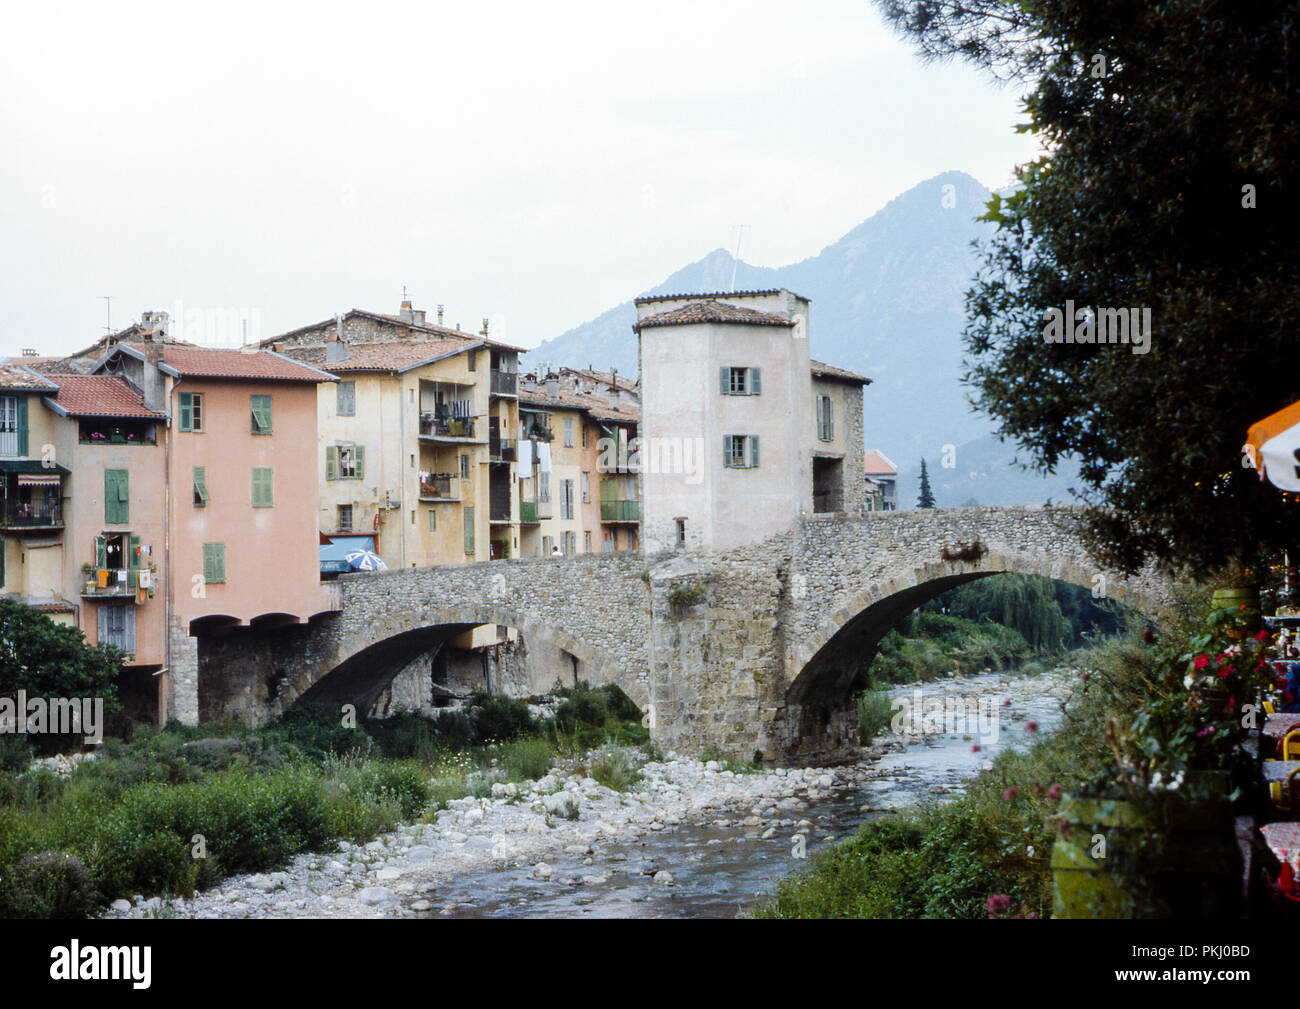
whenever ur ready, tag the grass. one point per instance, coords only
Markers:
(875, 711)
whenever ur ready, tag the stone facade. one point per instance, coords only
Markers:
(751, 651)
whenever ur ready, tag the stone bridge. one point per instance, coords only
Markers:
(752, 651)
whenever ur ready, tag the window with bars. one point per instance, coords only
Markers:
(117, 627)
(345, 518)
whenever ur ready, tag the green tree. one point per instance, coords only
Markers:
(1173, 139)
(53, 660)
(926, 500)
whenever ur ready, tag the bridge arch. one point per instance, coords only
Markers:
(820, 711)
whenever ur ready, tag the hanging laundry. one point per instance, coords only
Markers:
(544, 456)
(525, 459)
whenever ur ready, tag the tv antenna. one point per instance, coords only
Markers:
(108, 313)
(735, 260)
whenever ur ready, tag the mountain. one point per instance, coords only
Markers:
(983, 472)
(887, 301)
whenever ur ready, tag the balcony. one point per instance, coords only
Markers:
(528, 513)
(439, 487)
(502, 450)
(109, 583)
(504, 383)
(447, 428)
(620, 511)
(34, 513)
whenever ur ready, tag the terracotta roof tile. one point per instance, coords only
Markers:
(820, 370)
(713, 311)
(100, 396)
(593, 405)
(16, 376)
(203, 362)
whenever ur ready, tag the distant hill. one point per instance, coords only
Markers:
(984, 473)
(887, 301)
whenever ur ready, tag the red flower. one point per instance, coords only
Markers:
(1054, 792)
(1200, 662)
(1149, 636)
(1263, 636)
(999, 903)
(1031, 726)
(975, 748)
(1010, 793)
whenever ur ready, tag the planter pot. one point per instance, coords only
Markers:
(1198, 875)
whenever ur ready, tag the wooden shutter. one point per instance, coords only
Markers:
(187, 411)
(724, 380)
(261, 406)
(101, 553)
(469, 530)
(263, 494)
(117, 508)
(214, 563)
(331, 462)
(830, 418)
(22, 425)
(726, 450)
(753, 450)
(201, 484)
(133, 552)
(359, 462)
(755, 382)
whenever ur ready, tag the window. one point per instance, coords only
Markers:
(214, 563)
(584, 435)
(433, 520)
(117, 497)
(345, 461)
(568, 432)
(347, 406)
(739, 381)
(586, 487)
(464, 467)
(200, 486)
(681, 532)
(740, 451)
(261, 406)
(570, 544)
(586, 541)
(263, 494)
(825, 418)
(469, 530)
(566, 499)
(345, 518)
(117, 627)
(192, 411)
(544, 486)
(13, 425)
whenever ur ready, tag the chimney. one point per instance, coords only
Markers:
(440, 308)
(405, 313)
(552, 385)
(417, 316)
(335, 349)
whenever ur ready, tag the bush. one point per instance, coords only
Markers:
(614, 768)
(498, 718)
(875, 712)
(15, 752)
(317, 733)
(526, 759)
(47, 884)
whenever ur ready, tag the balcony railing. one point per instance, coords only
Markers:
(446, 427)
(620, 511)
(528, 512)
(8, 442)
(439, 487)
(502, 450)
(504, 383)
(32, 514)
(111, 582)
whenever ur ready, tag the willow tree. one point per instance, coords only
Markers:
(1172, 139)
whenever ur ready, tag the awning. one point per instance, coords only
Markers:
(1272, 444)
(39, 480)
(32, 466)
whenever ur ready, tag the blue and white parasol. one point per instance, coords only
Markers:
(365, 560)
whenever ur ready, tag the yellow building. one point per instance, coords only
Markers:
(418, 447)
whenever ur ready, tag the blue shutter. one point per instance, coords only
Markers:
(22, 425)
(753, 450)
(755, 384)
(724, 380)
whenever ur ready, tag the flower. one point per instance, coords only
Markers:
(1010, 793)
(1149, 636)
(1054, 792)
(1209, 730)
(975, 748)
(998, 903)
(1031, 726)
(1263, 635)
(1200, 662)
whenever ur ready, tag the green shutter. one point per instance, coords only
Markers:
(214, 563)
(261, 406)
(359, 461)
(187, 411)
(469, 530)
(201, 484)
(22, 425)
(101, 553)
(133, 552)
(724, 380)
(117, 505)
(755, 383)
(821, 417)
(262, 482)
(331, 462)
(753, 450)
(726, 450)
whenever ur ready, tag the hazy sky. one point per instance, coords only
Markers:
(533, 163)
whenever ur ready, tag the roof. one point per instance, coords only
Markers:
(98, 396)
(392, 320)
(650, 298)
(593, 405)
(820, 370)
(262, 365)
(401, 356)
(713, 311)
(19, 378)
(605, 377)
(875, 461)
(52, 607)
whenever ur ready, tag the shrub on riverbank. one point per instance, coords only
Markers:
(926, 645)
(875, 711)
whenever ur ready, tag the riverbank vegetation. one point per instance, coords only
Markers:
(173, 810)
(995, 841)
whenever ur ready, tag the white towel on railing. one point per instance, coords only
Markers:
(544, 456)
(525, 459)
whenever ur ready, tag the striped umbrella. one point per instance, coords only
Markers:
(1273, 445)
(365, 560)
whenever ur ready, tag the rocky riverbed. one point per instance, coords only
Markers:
(691, 837)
